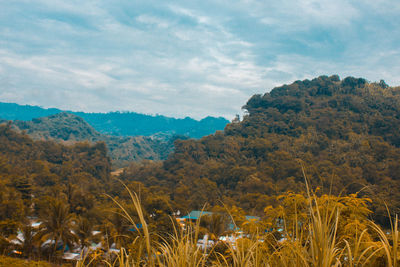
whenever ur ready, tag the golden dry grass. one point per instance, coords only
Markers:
(314, 242)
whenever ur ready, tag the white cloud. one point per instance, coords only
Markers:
(187, 58)
(152, 20)
(201, 19)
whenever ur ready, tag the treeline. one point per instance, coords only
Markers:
(344, 133)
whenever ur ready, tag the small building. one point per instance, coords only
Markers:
(194, 215)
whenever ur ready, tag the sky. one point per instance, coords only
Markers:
(187, 58)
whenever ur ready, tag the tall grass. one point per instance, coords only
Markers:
(181, 251)
(317, 241)
(142, 243)
(389, 242)
(323, 225)
(358, 254)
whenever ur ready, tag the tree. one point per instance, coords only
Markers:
(84, 231)
(116, 230)
(57, 224)
(27, 242)
(215, 224)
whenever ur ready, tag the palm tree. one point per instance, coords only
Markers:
(215, 224)
(116, 230)
(28, 240)
(84, 232)
(56, 224)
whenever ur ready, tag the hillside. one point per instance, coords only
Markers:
(32, 167)
(62, 127)
(64, 187)
(68, 128)
(123, 123)
(344, 132)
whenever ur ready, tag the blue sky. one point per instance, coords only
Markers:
(187, 58)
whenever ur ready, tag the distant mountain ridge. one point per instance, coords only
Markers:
(122, 123)
(12, 111)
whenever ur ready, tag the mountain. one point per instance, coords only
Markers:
(132, 124)
(344, 135)
(61, 126)
(50, 183)
(123, 123)
(12, 111)
(68, 128)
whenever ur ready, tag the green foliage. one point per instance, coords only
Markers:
(216, 224)
(316, 238)
(344, 131)
(67, 128)
(46, 180)
(56, 224)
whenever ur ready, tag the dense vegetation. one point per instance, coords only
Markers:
(68, 128)
(307, 229)
(123, 123)
(345, 133)
(64, 188)
(342, 135)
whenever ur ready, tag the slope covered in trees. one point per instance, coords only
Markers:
(344, 132)
(64, 187)
(33, 171)
(123, 123)
(68, 128)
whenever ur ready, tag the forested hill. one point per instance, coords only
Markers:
(39, 173)
(32, 167)
(337, 109)
(68, 128)
(61, 127)
(344, 132)
(123, 123)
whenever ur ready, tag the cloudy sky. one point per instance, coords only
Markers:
(187, 58)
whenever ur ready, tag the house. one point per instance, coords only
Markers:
(194, 215)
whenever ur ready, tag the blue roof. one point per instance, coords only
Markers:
(195, 214)
(138, 226)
